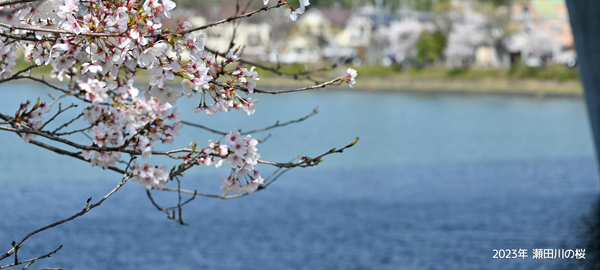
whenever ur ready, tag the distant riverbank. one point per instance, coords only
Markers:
(524, 87)
(550, 81)
(427, 81)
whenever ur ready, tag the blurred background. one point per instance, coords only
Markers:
(407, 39)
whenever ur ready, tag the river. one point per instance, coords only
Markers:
(435, 182)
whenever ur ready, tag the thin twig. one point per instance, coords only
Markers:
(232, 18)
(57, 113)
(67, 123)
(277, 124)
(244, 89)
(277, 70)
(18, 73)
(14, 2)
(204, 127)
(309, 162)
(31, 261)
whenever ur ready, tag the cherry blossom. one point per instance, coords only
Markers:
(97, 49)
(466, 35)
(351, 75)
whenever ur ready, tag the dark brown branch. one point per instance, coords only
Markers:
(171, 215)
(42, 81)
(30, 261)
(11, 27)
(14, 76)
(71, 154)
(29, 36)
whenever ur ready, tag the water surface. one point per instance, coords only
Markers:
(436, 182)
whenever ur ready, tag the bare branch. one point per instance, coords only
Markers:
(71, 154)
(268, 181)
(244, 89)
(73, 131)
(65, 91)
(296, 76)
(58, 113)
(232, 18)
(11, 27)
(276, 125)
(309, 162)
(225, 197)
(171, 215)
(30, 261)
(29, 36)
(18, 73)
(67, 123)
(14, 2)
(323, 85)
(204, 127)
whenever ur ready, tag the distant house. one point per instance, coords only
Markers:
(253, 34)
(541, 25)
(296, 48)
(253, 37)
(355, 37)
(317, 30)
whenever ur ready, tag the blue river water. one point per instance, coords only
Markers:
(435, 182)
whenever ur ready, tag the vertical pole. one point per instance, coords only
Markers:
(585, 22)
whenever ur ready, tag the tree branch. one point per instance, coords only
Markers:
(14, 2)
(232, 18)
(309, 162)
(315, 111)
(296, 76)
(276, 125)
(244, 89)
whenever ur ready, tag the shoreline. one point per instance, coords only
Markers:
(505, 87)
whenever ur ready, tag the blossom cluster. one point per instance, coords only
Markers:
(31, 118)
(98, 48)
(351, 77)
(136, 125)
(242, 156)
(8, 58)
(149, 176)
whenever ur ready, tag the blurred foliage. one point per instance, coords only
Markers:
(430, 46)
(549, 72)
